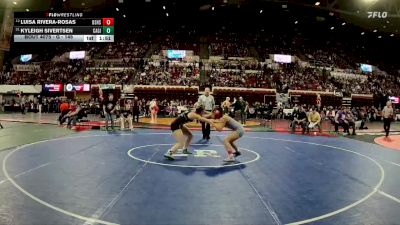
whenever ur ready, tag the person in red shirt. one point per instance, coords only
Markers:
(72, 115)
(64, 109)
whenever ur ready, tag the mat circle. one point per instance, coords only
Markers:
(257, 157)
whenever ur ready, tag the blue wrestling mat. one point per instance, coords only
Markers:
(123, 178)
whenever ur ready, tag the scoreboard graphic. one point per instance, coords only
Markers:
(62, 27)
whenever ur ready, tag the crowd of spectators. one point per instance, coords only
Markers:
(228, 45)
(239, 79)
(129, 51)
(180, 41)
(125, 49)
(284, 78)
(105, 76)
(168, 75)
(49, 72)
(294, 77)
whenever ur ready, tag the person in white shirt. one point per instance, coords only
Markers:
(207, 101)
(226, 105)
(388, 116)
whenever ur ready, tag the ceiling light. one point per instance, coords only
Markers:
(261, 11)
(164, 7)
(124, 16)
(212, 8)
(331, 14)
(117, 9)
(14, 3)
(375, 31)
(379, 36)
(369, 1)
(332, 28)
(167, 14)
(362, 33)
(296, 22)
(343, 23)
(317, 3)
(392, 35)
(27, 10)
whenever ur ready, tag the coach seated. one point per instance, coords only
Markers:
(340, 120)
(299, 118)
(314, 120)
(351, 121)
(64, 109)
(73, 115)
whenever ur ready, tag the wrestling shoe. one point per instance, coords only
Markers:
(229, 160)
(186, 151)
(237, 153)
(168, 155)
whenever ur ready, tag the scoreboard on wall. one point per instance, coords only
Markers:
(62, 27)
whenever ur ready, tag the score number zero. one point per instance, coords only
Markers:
(103, 22)
(103, 30)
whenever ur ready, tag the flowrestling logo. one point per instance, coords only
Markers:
(206, 153)
(375, 14)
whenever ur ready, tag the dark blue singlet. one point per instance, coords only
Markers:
(180, 121)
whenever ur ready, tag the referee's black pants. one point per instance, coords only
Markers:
(206, 130)
(386, 125)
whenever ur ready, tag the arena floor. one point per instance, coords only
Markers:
(51, 175)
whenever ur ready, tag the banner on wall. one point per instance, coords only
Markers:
(53, 87)
(282, 58)
(283, 98)
(15, 89)
(78, 87)
(107, 86)
(366, 68)
(27, 67)
(394, 99)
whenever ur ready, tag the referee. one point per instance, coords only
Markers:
(208, 102)
(388, 117)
